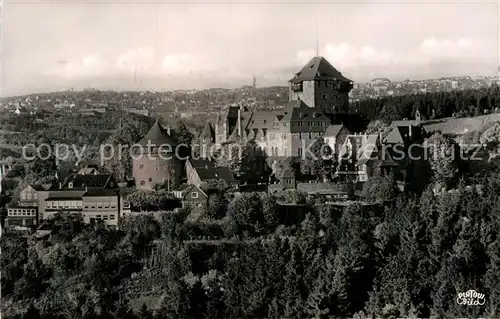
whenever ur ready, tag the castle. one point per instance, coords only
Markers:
(315, 93)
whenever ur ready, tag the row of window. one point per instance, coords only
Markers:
(103, 217)
(100, 206)
(29, 196)
(78, 205)
(284, 136)
(310, 124)
(63, 204)
(30, 213)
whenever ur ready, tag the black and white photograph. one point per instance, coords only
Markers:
(249, 159)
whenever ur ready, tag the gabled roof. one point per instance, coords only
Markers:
(318, 69)
(157, 135)
(93, 181)
(225, 174)
(401, 134)
(192, 188)
(37, 188)
(325, 188)
(98, 192)
(65, 194)
(201, 163)
(333, 130)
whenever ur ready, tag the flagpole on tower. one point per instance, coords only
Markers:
(317, 38)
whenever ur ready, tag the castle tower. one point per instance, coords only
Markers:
(321, 86)
(207, 138)
(154, 161)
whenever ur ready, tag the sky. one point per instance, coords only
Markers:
(122, 45)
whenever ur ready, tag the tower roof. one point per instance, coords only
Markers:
(208, 131)
(318, 69)
(157, 135)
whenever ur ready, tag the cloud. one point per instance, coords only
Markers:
(449, 48)
(87, 66)
(344, 56)
(142, 58)
(184, 64)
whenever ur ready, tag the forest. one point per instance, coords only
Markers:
(406, 255)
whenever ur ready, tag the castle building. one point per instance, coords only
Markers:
(321, 86)
(289, 131)
(155, 162)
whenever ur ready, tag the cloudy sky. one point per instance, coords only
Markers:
(58, 45)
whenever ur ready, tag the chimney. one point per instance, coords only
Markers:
(168, 130)
(60, 185)
(410, 129)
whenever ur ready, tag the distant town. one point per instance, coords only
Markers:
(195, 103)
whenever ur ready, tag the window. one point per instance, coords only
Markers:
(99, 205)
(86, 206)
(150, 180)
(113, 206)
(321, 124)
(309, 124)
(157, 168)
(198, 205)
(104, 217)
(93, 207)
(143, 182)
(111, 217)
(283, 137)
(325, 96)
(106, 205)
(194, 195)
(98, 216)
(299, 151)
(141, 166)
(285, 151)
(300, 123)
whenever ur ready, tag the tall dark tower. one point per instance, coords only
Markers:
(254, 82)
(321, 86)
